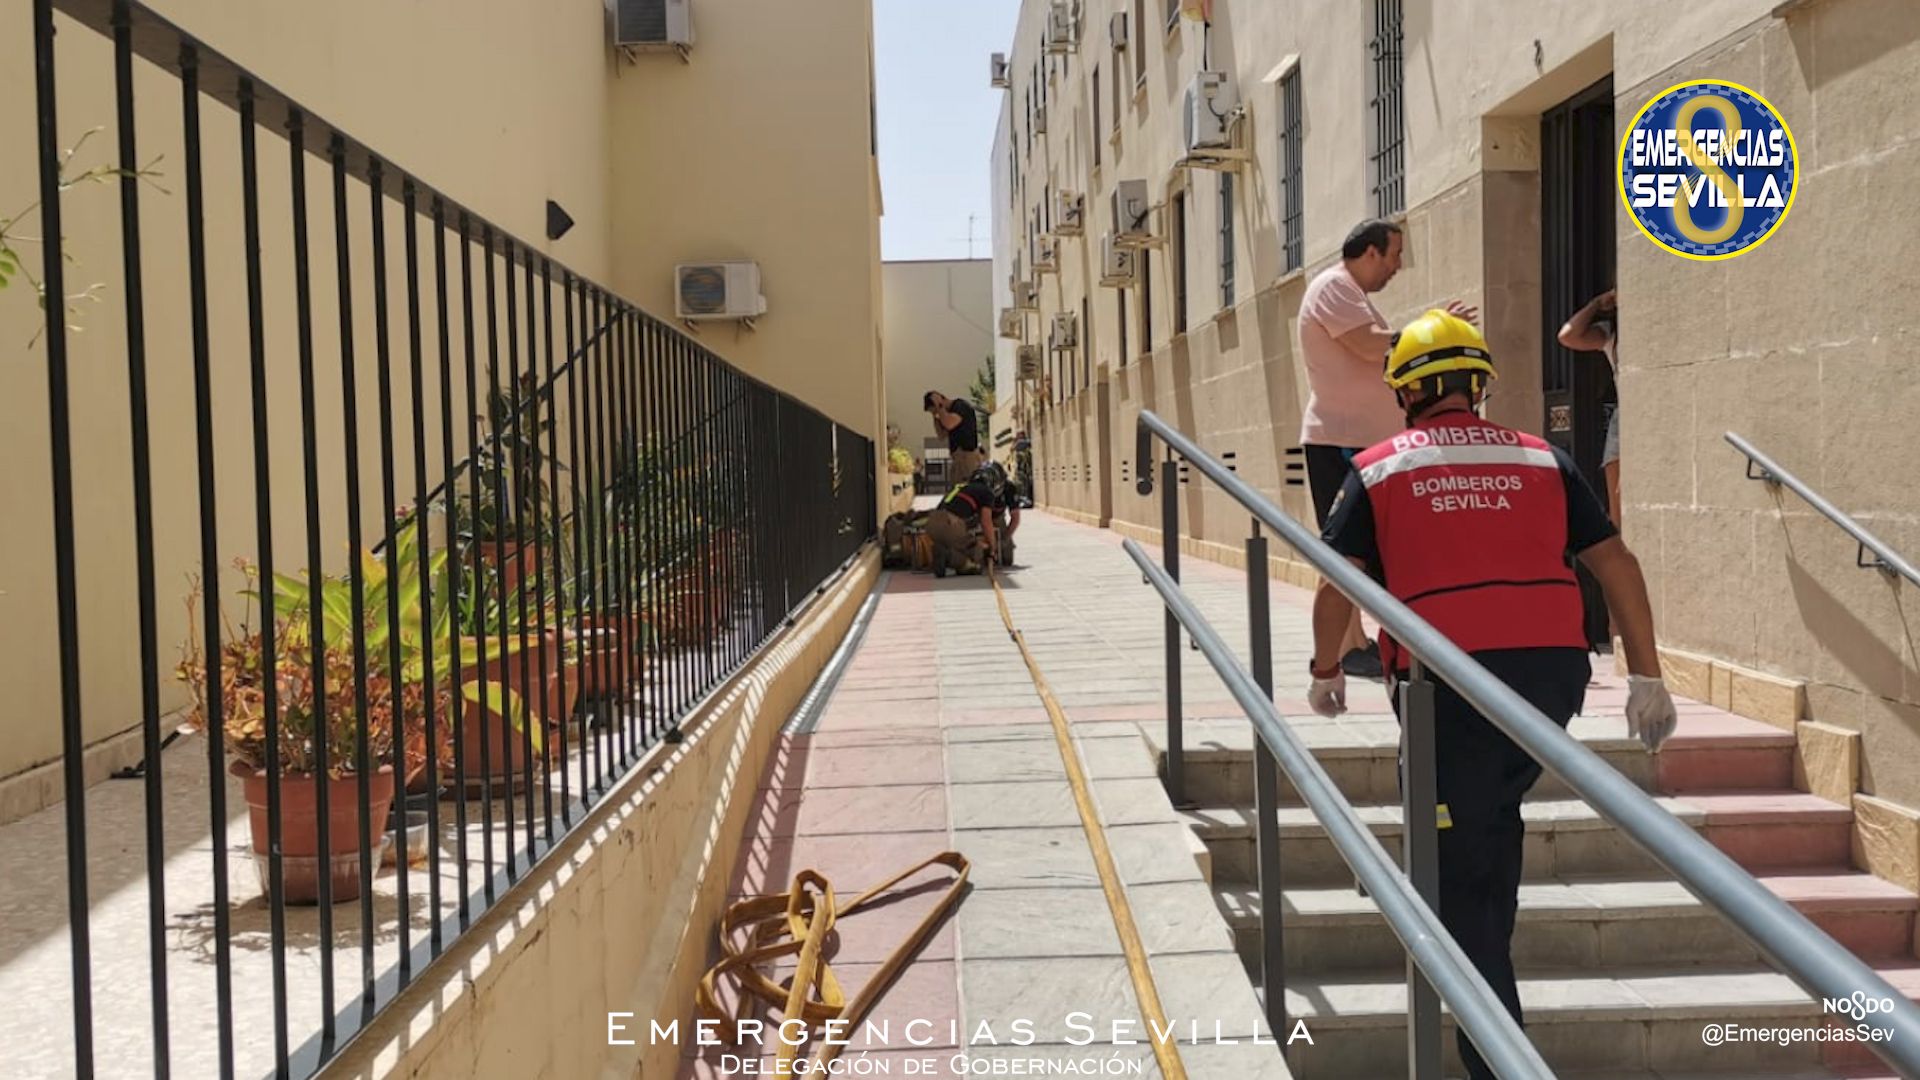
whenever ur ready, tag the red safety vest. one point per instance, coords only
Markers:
(1471, 523)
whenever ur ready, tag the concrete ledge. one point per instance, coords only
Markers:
(1757, 695)
(1826, 761)
(42, 786)
(620, 916)
(1886, 841)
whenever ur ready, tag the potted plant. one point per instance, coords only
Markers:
(530, 676)
(316, 708)
(510, 513)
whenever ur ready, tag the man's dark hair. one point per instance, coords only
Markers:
(1371, 233)
(926, 402)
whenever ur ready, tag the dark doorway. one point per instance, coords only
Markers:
(1577, 192)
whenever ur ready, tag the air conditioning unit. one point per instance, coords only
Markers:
(1026, 362)
(1002, 73)
(1066, 330)
(1062, 33)
(1211, 104)
(1132, 214)
(1026, 295)
(1013, 324)
(718, 290)
(1046, 259)
(652, 24)
(1069, 213)
(1040, 120)
(1117, 29)
(1117, 263)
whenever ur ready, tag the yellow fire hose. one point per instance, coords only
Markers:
(807, 914)
(1164, 1049)
(751, 930)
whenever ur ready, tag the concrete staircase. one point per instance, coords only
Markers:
(1620, 967)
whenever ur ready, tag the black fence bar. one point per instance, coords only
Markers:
(429, 655)
(211, 627)
(396, 681)
(569, 579)
(72, 736)
(142, 529)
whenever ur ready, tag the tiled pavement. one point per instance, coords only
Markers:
(935, 739)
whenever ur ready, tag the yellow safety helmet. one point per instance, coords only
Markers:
(1437, 344)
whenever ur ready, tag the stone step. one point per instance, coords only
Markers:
(1646, 1018)
(1710, 751)
(1585, 923)
(1565, 838)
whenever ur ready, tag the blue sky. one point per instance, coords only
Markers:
(936, 121)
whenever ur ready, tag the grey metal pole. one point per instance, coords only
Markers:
(1266, 795)
(1474, 1004)
(1420, 854)
(1789, 940)
(1170, 553)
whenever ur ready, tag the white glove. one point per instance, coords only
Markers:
(1328, 697)
(1650, 714)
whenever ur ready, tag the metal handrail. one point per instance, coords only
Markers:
(1789, 940)
(1886, 560)
(1475, 1006)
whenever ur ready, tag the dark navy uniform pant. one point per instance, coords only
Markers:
(1482, 777)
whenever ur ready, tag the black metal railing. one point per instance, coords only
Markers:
(1408, 901)
(1873, 553)
(539, 527)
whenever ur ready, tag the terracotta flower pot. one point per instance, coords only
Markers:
(506, 745)
(608, 639)
(515, 560)
(301, 859)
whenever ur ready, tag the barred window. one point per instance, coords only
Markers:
(1292, 198)
(1178, 253)
(1138, 31)
(1096, 115)
(1173, 15)
(1146, 301)
(1387, 161)
(1120, 297)
(1226, 240)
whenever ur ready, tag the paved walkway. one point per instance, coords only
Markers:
(936, 739)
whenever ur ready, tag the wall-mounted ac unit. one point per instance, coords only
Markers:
(1117, 29)
(1069, 213)
(1026, 362)
(1026, 295)
(1002, 73)
(1211, 103)
(1013, 324)
(1040, 120)
(1066, 330)
(1132, 214)
(718, 290)
(1117, 264)
(1046, 259)
(1062, 35)
(652, 24)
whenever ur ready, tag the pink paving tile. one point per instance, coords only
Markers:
(1712, 765)
(849, 716)
(867, 766)
(917, 735)
(1783, 846)
(845, 811)
(1766, 807)
(1725, 728)
(854, 863)
(1839, 892)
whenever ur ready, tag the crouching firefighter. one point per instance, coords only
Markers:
(977, 502)
(1474, 526)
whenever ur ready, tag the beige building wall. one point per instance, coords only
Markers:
(761, 147)
(501, 105)
(1799, 345)
(937, 333)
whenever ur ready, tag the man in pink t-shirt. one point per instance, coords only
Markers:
(1344, 341)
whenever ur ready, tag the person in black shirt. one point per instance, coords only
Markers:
(957, 420)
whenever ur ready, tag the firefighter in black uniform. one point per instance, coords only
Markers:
(1473, 527)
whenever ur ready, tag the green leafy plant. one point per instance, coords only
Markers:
(11, 263)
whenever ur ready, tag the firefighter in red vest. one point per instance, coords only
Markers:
(1474, 527)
